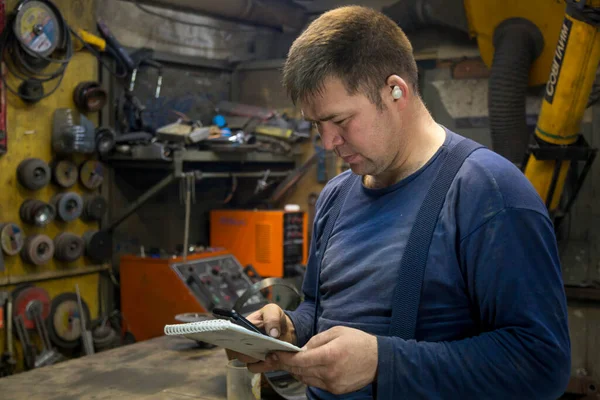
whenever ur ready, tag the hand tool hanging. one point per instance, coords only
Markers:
(63, 329)
(36, 47)
(86, 335)
(8, 362)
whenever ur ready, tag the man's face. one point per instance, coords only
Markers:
(368, 139)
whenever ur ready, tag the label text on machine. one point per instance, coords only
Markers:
(558, 59)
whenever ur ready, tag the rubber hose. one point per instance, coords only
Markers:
(518, 42)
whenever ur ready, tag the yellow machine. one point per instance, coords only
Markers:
(567, 95)
(528, 43)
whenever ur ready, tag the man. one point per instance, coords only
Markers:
(492, 319)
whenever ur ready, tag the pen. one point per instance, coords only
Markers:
(233, 316)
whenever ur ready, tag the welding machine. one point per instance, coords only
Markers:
(154, 291)
(274, 242)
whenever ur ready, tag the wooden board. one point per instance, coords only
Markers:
(167, 367)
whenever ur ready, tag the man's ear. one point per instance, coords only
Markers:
(396, 91)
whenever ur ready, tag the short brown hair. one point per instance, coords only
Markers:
(358, 45)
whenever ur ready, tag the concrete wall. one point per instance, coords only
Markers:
(136, 28)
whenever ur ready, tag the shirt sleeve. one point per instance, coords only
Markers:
(512, 270)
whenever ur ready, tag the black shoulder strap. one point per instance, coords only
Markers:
(407, 295)
(333, 214)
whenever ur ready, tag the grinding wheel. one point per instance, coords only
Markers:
(105, 140)
(69, 206)
(38, 249)
(36, 212)
(65, 173)
(64, 327)
(33, 173)
(11, 238)
(91, 174)
(23, 296)
(94, 207)
(97, 245)
(68, 247)
(105, 337)
(89, 96)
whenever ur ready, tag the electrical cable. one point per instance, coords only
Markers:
(12, 53)
(29, 67)
(99, 57)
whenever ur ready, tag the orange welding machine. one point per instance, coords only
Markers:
(274, 242)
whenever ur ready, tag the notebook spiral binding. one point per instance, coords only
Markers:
(195, 327)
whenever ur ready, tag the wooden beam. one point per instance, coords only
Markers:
(50, 275)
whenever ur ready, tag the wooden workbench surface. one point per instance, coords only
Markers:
(158, 369)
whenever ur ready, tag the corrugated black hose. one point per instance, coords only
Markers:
(518, 42)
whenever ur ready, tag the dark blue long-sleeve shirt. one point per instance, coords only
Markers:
(492, 320)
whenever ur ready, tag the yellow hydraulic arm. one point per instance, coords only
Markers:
(558, 143)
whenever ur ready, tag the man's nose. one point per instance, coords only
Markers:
(330, 137)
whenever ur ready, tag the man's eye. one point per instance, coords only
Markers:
(340, 121)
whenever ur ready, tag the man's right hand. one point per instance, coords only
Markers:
(275, 323)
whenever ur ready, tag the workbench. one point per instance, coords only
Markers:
(166, 367)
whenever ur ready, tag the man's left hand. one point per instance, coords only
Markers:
(339, 360)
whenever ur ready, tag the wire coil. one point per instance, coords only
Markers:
(30, 67)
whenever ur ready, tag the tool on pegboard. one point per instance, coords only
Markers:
(38, 249)
(36, 212)
(64, 327)
(65, 173)
(33, 173)
(94, 207)
(11, 241)
(86, 335)
(91, 174)
(68, 247)
(3, 133)
(8, 362)
(98, 246)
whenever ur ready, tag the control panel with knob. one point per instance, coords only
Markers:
(217, 282)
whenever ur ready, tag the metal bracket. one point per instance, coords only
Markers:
(188, 178)
(187, 191)
(576, 152)
(140, 201)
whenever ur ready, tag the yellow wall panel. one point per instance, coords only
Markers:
(29, 130)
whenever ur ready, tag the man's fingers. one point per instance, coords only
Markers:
(262, 366)
(322, 339)
(274, 320)
(256, 318)
(246, 359)
(305, 359)
(319, 372)
(311, 381)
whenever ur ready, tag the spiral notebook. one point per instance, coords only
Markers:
(224, 333)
